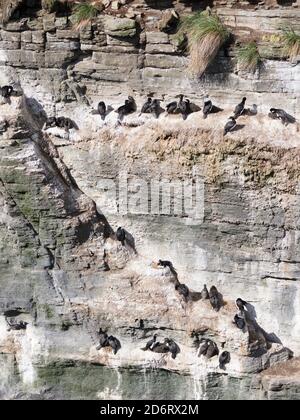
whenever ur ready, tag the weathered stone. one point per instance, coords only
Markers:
(6, 45)
(120, 27)
(26, 36)
(113, 60)
(67, 34)
(160, 49)
(11, 36)
(157, 38)
(61, 23)
(63, 46)
(164, 61)
(38, 37)
(49, 22)
(57, 58)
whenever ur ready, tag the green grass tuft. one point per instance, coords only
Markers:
(291, 41)
(206, 34)
(249, 57)
(85, 12)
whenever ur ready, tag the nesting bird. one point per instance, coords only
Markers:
(229, 126)
(183, 290)
(204, 293)
(114, 343)
(184, 107)
(102, 110)
(283, 116)
(215, 299)
(240, 108)
(224, 359)
(127, 108)
(121, 235)
(16, 326)
(239, 321)
(155, 108)
(240, 303)
(207, 106)
(208, 348)
(150, 343)
(102, 339)
(60, 122)
(146, 107)
(174, 349)
(6, 91)
(108, 341)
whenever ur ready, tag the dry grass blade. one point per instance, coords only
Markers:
(249, 57)
(203, 52)
(206, 34)
(291, 43)
(84, 12)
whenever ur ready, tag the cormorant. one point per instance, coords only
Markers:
(230, 125)
(239, 109)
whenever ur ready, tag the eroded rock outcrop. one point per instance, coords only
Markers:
(78, 277)
(61, 268)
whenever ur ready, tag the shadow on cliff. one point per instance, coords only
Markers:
(194, 4)
(37, 111)
(257, 335)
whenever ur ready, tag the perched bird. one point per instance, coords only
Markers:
(51, 122)
(163, 263)
(204, 293)
(212, 350)
(127, 108)
(207, 107)
(239, 109)
(121, 235)
(239, 322)
(160, 347)
(16, 326)
(102, 110)
(64, 122)
(3, 126)
(240, 303)
(146, 107)
(183, 290)
(173, 347)
(150, 343)
(203, 347)
(171, 108)
(214, 298)
(6, 91)
(184, 107)
(280, 114)
(114, 343)
(230, 125)
(155, 108)
(224, 359)
(103, 340)
(208, 348)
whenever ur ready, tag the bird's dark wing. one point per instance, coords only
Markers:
(207, 107)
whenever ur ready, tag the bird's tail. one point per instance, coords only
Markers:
(290, 118)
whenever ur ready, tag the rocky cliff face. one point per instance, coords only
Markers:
(62, 269)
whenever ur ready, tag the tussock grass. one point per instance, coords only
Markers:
(291, 43)
(85, 11)
(206, 34)
(249, 57)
